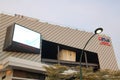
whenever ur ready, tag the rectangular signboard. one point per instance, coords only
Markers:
(22, 39)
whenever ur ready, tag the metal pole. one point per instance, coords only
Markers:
(82, 55)
(58, 55)
(86, 61)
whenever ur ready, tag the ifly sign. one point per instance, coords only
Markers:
(104, 41)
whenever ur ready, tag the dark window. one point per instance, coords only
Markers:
(30, 75)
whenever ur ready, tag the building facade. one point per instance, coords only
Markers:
(58, 44)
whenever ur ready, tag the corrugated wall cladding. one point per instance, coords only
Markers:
(61, 35)
(4, 23)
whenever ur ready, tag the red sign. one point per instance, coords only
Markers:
(104, 41)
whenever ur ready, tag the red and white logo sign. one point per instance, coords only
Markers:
(104, 41)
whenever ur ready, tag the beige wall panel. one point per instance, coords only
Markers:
(67, 55)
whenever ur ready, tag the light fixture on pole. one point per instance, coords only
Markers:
(97, 31)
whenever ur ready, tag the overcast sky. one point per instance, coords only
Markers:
(81, 14)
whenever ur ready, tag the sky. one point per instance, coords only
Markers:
(78, 14)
